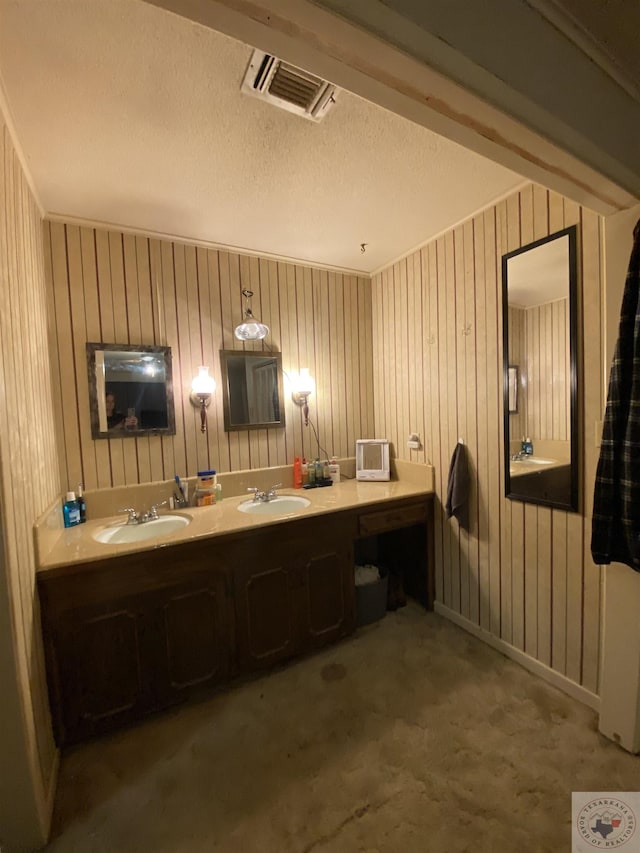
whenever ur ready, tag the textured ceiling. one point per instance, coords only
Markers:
(129, 115)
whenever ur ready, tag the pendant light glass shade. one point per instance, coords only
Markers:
(250, 329)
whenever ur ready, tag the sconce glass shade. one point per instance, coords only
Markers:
(250, 329)
(202, 387)
(303, 387)
(304, 384)
(203, 383)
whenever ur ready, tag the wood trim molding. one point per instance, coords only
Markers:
(341, 51)
(205, 244)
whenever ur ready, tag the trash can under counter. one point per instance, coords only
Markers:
(371, 597)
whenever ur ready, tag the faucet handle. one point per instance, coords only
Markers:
(133, 515)
(272, 490)
(153, 512)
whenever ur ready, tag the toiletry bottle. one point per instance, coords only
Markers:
(297, 473)
(325, 470)
(305, 471)
(82, 505)
(523, 446)
(71, 510)
(311, 468)
(206, 488)
(318, 469)
(528, 447)
(334, 469)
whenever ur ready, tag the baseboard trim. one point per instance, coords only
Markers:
(540, 669)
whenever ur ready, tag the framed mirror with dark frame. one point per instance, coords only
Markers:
(252, 390)
(539, 311)
(130, 390)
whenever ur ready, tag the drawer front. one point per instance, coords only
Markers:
(371, 523)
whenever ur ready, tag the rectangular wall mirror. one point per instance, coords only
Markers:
(130, 390)
(539, 283)
(252, 390)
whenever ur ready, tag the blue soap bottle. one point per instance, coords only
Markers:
(82, 505)
(71, 510)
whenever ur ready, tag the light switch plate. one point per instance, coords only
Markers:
(414, 441)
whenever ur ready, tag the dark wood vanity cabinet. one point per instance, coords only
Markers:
(293, 596)
(125, 637)
(130, 635)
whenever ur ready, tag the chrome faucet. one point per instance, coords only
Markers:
(133, 515)
(267, 496)
(152, 514)
(141, 518)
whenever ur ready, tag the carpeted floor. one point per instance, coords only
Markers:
(410, 736)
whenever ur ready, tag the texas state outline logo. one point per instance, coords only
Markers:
(604, 822)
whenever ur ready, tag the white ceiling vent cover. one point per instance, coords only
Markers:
(288, 87)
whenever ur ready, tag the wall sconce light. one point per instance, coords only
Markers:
(250, 329)
(303, 387)
(202, 388)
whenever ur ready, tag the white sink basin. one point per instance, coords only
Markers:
(120, 533)
(276, 506)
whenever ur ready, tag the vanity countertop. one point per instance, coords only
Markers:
(77, 545)
(534, 466)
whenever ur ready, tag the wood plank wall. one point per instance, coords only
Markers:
(518, 358)
(521, 572)
(114, 287)
(539, 345)
(29, 482)
(548, 368)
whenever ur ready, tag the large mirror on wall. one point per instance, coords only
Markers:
(539, 300)
(130, 390)
(252, 390)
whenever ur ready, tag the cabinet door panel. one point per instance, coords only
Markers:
(194, 637)
(101, 658)
(328, 604)
(109, 666)
(265, 616)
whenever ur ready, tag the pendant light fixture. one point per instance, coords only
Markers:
(250, 329)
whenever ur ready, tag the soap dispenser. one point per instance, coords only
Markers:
(70, 510)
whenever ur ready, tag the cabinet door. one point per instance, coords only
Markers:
(327, 602)
(192, 637)
(266, 622)
(101, 654)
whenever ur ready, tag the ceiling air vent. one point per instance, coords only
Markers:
(288, 87)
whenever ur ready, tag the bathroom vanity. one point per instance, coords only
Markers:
(132, 633)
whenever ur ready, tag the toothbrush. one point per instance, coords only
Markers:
(179, 484)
